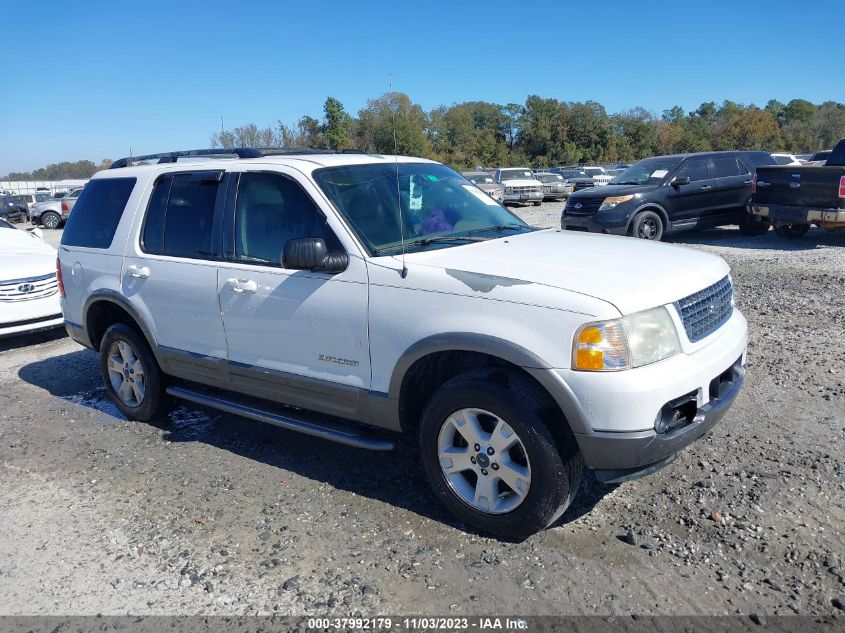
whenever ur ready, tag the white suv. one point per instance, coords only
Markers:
(373, 293)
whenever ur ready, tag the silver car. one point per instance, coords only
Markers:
(555, 186)
(486, 183)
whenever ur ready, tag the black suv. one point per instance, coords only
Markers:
(11, 210)
(665, 194)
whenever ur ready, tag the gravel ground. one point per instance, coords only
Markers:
(208, 513)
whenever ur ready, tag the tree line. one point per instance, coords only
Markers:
(78, 170)
(539, 132)
(549, 131)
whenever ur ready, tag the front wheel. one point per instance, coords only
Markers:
(537, 203)
(493, 459)
(792, 231)
(51, 220)
(647, 225)
(132, 376)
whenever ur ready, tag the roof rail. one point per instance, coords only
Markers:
(239, 152)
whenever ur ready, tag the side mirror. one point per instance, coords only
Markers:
(310, 253)
(37, 233)
(681, 180)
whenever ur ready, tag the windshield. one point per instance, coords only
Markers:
(650, 171)
(6, 225)
(515, 174)
(41, 197)
(549, 177)
(482, 179)
(439, 207)
(574, 173)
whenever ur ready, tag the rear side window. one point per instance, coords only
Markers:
(728, 166)
(97, 212)
(180, 215)
(696, 169)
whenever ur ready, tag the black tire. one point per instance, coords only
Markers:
(792, 231)
(647, 225)
(152, 405)
(751, 224)
(555, 460)
(537, 204)
(51, 220)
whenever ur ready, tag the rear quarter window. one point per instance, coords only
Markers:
(97, 212)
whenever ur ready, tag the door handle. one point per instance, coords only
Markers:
(747, 182)
(139, 272)
(795, 185)
(763, 183)
(706, 187)
(247, 286)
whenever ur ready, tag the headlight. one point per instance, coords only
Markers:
(632, 341)
(508, 190)
(610, 203)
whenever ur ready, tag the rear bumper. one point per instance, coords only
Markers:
(795, 214)
(617, 457)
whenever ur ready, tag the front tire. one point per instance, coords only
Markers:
(51, 220)
(647, 225)
(493, 459)
(537, 204)
(131, 374)
(792, 231)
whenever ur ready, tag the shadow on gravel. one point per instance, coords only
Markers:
(395, 477)
(731, 237)
(25, 340)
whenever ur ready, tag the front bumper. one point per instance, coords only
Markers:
(534, 196)
(28, 326)
(593, 224)
(787, 214)
(617, 457)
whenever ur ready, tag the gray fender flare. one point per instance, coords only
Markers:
(115, 297)
(500, 348)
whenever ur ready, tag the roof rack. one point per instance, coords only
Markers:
(239, 152)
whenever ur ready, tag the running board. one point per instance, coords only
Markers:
(332, 432)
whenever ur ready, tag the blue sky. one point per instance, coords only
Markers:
(93, 79)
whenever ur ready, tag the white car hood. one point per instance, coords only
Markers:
(24, 255)
(630, 274)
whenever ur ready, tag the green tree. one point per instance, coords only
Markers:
(335, 128)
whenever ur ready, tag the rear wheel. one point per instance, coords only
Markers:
(751, 224)
(50, 220)
(131, 374)
(792, 231)
(647, 225)
(537, 203)
(492, 459)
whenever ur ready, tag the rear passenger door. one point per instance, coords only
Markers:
(731, 185)
(170, 273)
(296, 336)
(687, 203)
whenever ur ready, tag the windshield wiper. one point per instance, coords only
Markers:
(499, 228)
(425, 241)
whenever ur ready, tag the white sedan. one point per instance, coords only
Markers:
(29, 290)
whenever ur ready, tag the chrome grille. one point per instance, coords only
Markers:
(526, 189)
(706, 311)
(28, 288)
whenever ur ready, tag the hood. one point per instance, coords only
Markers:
(489, 186)
(24, 255)
(522, 182)
(630, 274)
(613, 190)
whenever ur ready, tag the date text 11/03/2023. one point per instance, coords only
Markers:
(420, 623)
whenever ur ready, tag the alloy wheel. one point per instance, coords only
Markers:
(484, 461)
(126, 373)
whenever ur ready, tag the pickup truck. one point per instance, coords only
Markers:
(794, 198)
(53, 213)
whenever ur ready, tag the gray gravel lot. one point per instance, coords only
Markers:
(209, 513)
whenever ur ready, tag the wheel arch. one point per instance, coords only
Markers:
(650, 206)
(106, 307)
(430, 362)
